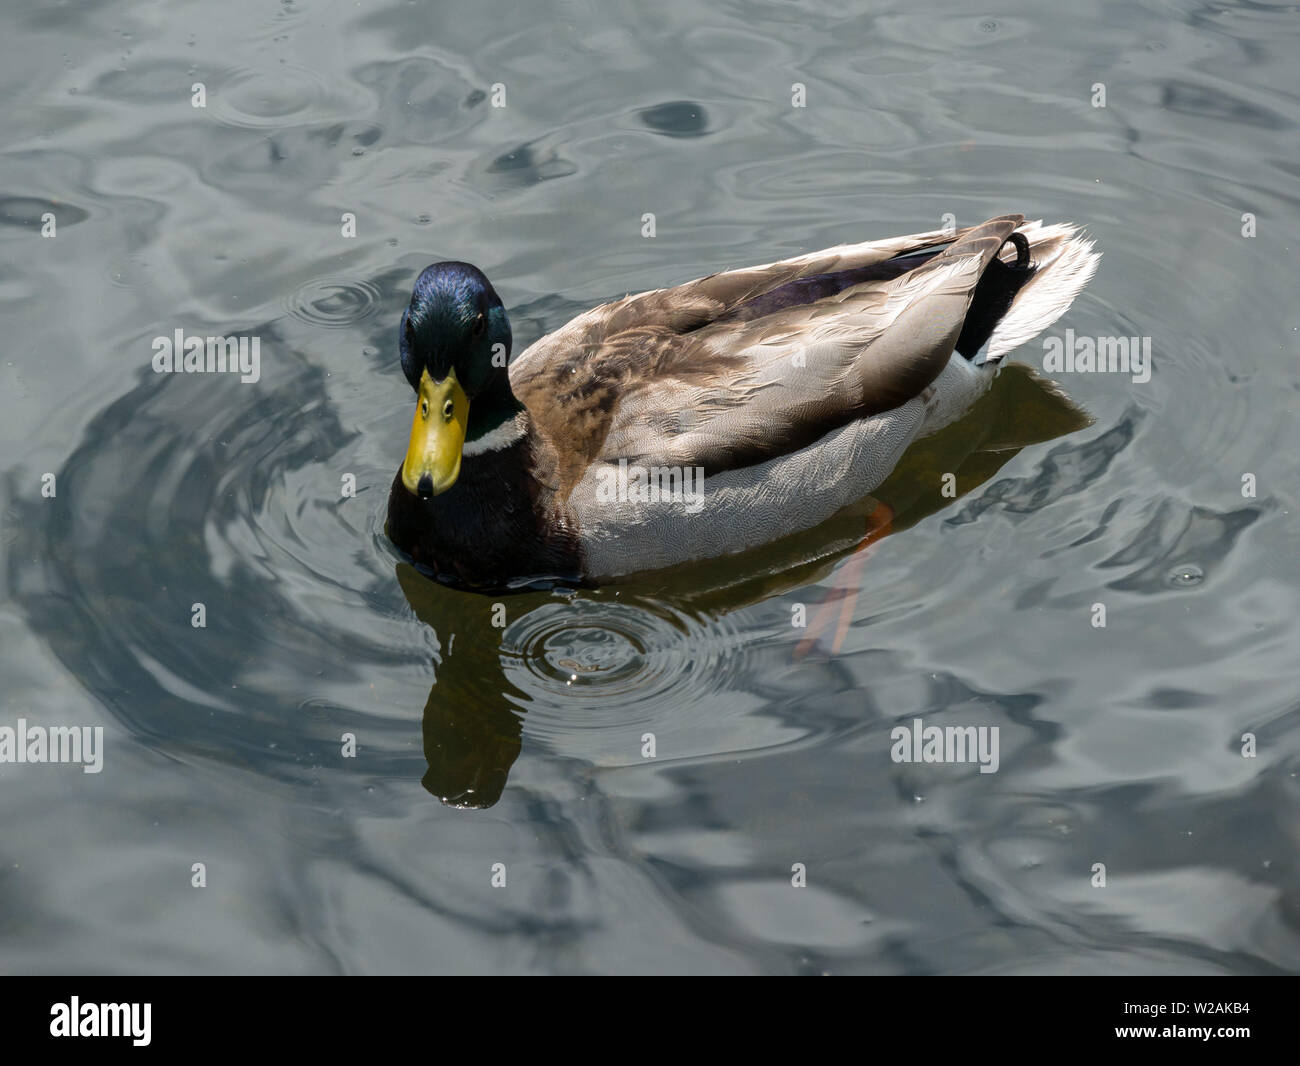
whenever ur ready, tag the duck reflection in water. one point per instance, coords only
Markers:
(475, 715)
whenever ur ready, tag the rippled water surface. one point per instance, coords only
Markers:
(519, 735)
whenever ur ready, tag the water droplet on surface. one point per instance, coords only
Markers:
(1185, 575)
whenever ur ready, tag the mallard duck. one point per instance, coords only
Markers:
(709, 418)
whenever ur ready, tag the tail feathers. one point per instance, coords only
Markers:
(1063, 263)
(997, 288)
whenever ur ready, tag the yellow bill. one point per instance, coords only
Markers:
(432, 461)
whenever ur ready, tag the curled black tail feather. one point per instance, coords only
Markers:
(993, 295)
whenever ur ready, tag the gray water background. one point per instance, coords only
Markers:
(1119, 745)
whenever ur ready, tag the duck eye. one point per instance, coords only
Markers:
(480, 324)
(424, 408)
(447, 409)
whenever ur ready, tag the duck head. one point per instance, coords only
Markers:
(455, 345)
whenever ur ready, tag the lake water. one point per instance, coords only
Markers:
(771, 831)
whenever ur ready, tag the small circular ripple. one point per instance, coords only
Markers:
(286, 95)
(615, 666)
(333, 302)
(1185, 576)
(128, 272)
